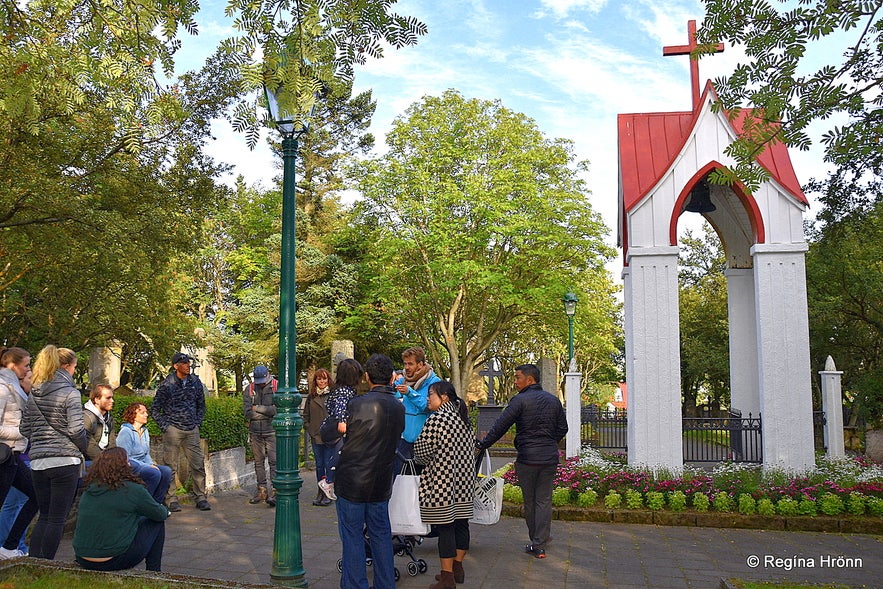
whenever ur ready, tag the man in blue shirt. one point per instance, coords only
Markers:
(412, 388)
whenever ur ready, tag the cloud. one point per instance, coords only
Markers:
(561, 8)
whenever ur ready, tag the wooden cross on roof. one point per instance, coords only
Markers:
(694, 59)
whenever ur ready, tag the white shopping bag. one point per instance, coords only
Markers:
(488, 502)
(404, 505)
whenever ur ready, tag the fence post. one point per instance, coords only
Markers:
(832, 405)
(572, 382)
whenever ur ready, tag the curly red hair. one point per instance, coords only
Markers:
(130, 411)
(111, 469)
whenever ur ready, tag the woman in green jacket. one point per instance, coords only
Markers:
(119, 523)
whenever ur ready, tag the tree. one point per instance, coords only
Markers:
(790, 90)
(308, 48)
(479, 225)
(844, 270)
(705, 354)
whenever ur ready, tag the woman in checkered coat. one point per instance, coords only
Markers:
(446, 447)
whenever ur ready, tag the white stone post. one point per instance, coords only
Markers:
(832, 405)
(105, 365)
(653, 358)
(573, 406)
(784, 368)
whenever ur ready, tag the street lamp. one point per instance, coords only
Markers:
(570, 302)
(287, 549)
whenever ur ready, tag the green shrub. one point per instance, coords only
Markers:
(875, 506)
(723, 502)
(655, 500)
(224, 425)
(587, 498)
(677, 501)
(560, 496)
(855, 503)
(831, 504)
(765, 507)
(787, 506)
(806, 507)
(747, 504)
(634, 499)
(700, 502)
(512, 494)
(613, 500)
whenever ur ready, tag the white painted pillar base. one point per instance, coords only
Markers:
(653, 358)
(832, 405)
(783, 356)
(742, 315)
(572, 406)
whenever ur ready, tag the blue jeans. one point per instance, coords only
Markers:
(55, 489)
(352, 521)
(326, 460)
(157, 480)
(147, 546)
(19, 503)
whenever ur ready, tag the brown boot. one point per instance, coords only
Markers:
(445, 581)
(260, 495)
(318, 500)
(271, 500)
(459, 573)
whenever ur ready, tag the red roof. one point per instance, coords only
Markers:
(650, 142)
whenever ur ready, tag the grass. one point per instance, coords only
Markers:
(27, 576)
(784, 585)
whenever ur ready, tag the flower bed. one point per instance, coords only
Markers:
(850, 488)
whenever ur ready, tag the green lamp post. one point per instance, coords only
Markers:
(287, 548)
(570, 302)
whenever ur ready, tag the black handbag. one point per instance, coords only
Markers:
(5, 453)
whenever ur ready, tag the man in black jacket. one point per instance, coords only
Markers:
(364, 477)
(540, 425)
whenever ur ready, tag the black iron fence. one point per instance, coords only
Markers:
(705, 439)
(605, 430)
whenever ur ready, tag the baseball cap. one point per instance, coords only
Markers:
(180, 357)
(261, 375)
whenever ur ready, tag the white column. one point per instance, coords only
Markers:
(742, 316)
(832, 405)
(653, 357)
(572, 406)
(105, 365)
(784, 371)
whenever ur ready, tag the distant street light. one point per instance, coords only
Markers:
(288, 423)
(570, 302)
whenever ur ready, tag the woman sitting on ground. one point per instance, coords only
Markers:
(119, 524)
(135, 439)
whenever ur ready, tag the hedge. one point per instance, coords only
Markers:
(224, 425)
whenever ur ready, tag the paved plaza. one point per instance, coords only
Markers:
(234, 542)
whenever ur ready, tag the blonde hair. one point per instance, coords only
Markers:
(49, 360)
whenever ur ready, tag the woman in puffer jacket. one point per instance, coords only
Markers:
(54, 425)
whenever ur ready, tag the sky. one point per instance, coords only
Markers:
(570, 65)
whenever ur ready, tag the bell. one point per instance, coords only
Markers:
(700, 199)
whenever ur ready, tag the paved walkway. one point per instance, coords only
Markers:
(234, 542)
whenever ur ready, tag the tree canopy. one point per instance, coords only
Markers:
(478, 226)
(807, 62)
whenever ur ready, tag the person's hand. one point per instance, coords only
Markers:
(341, 427)
(402, 388)
(154, 466)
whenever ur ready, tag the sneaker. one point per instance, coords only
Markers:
(174, 506)
(328, 489)
(537, 552)
(202, 505)
(6, 553)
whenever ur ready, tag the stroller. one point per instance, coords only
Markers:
(401, 546)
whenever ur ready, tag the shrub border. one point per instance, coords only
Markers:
(821, 523)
